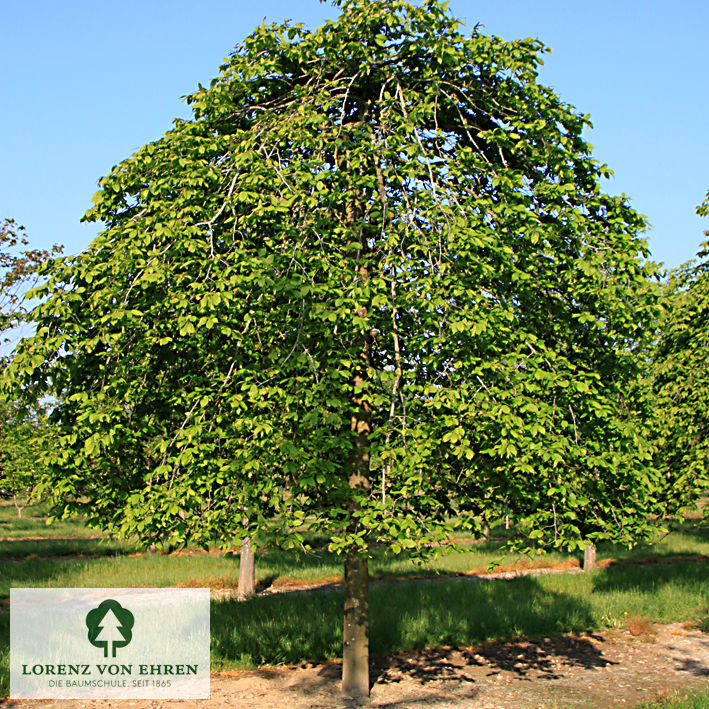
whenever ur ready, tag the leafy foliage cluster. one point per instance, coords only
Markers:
(18, 271)
(681, 381)
(25, 440)
(23, 434)
(382, 215)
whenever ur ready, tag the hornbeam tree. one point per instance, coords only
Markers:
(25, 440)
(372, 285)
(681, 382)
(24, 436)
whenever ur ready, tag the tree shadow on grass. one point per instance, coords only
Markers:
(673, 586)
(695, 527)
(4, 652)
(649, 578)
(459, 614)
(409, 617)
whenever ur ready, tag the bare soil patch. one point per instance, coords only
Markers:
(600, 670)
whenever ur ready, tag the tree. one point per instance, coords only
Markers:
(681, 382)
(25, 440)
(371, 285)
(23, 434)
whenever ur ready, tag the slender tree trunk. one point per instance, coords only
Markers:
(507, 515)
(355, 641)
(589, 557)
(355, 649)
(18, 507)
(486, 531)
(355, 654)
(247, 570)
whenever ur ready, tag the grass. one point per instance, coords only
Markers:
(455, 612)
(32, 538)
(119, 571)
(29, 550)
(690, 537)
(34, 523)
(679, 700)
(404, 616)
(408, 616)
(106, 563)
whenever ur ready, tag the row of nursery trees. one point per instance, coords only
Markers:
(371, 286)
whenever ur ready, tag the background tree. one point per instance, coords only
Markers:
(24, 441)
(23, 433)
(373, 284)
(681, 382)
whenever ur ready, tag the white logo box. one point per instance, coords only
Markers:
(109, 643)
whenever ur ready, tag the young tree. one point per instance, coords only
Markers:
(24, 441)
(681, 382)
(372, 284)
(23, 435)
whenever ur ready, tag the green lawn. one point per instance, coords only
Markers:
(455, 612)
(34, 523)
(403, 615)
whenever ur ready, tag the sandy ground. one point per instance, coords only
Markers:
(597, 670)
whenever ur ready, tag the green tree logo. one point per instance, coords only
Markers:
(110, 626)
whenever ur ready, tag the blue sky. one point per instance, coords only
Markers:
(86, 83)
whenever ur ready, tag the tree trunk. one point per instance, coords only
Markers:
(355, 654)
(486, 531)
(355, 641)
(17, 507)
(355, 646)
(589, 557)
(247, 570)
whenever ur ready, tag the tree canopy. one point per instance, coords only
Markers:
(381, 194)
(372, 284)
(681, 381)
